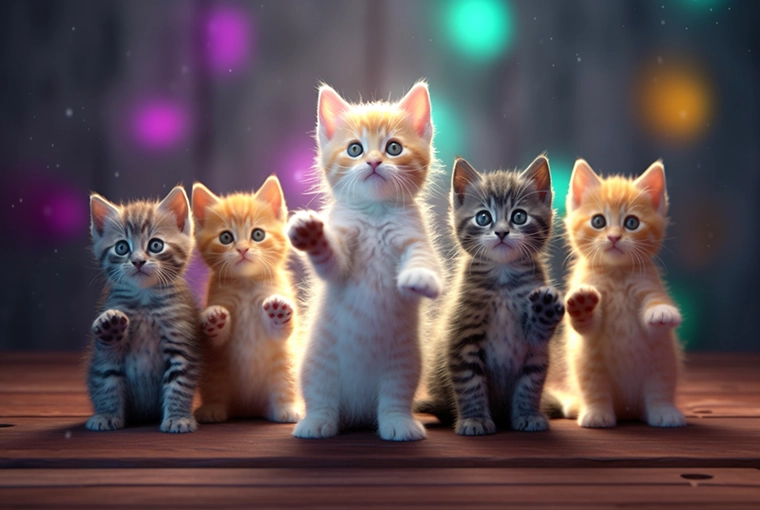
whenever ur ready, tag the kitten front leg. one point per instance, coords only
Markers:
(179, 382)
(596, 410)
(418, 272)
(526, 399)
(395, 421)
(468, 380)
(215, 323)
(319, 385)
(324, 246)
(659, 314)
(277, 312)
(106, 381)
(544, 313)
(582, 307)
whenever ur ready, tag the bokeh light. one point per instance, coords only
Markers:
(294, 170)
(449, 138)
(675, 100)
(159, 124)
(227, 39)
(561, 170)
(686, 300)
(480, 29)
(701, 5)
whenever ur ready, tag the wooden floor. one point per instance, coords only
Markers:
(47, 458)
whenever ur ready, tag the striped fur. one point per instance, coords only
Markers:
(250, 347)
(143, 360)
(371, 253)
(620, 357)
(489, 364)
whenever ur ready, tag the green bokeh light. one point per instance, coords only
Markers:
(687, 302)
(480, 29)
(702, 4)
(449, 139)
(561, 169)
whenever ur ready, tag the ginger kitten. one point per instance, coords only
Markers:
(490, 360)
(144, 359)
(250, 316)
(620, 353)
(371, 252)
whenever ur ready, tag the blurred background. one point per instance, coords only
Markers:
(130, 97)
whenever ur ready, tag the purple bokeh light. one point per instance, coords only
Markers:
(159, 124)
(295, 172)
(227, 39)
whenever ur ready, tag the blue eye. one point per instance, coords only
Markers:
(632, 223)
(226, 237)
(258, 235)
(598, 221)
(355, 150)
(155, 245)
(393, 148)
(483, 218)
(121, 248)
(519, 217)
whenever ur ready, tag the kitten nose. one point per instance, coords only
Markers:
(242, 251)
(502, 235)
(614, 239)
(374, 164)
(138, 263)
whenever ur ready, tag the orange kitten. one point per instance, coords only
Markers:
(621, 353)
(249, 322)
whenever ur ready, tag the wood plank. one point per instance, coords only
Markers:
(63, 442)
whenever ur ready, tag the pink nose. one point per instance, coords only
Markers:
(374, 164)
(614, 239)
(242, 251)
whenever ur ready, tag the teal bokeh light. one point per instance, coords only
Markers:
(687, 301)
(479, 29)
(702, 5)
(561, 169)
(450, 139)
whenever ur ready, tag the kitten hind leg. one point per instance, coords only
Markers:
(659, 392)
(526, 399)
(213, 412)
(179, 382)
(395, 421)
(319, 385)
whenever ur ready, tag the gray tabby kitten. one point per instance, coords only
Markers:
(145, 352)
(490, 363)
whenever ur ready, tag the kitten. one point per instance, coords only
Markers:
(620, 352)
(490, 362)
(144, 360)
(248, 353)
(371, 248)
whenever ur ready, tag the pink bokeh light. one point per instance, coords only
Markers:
(295, 172)
(227, 39)
(159, 124)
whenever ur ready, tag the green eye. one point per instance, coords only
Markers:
(258, 235)
(632, 223)
(519, 217)
(226, 237)
(121, 248)
(155, 245)
(598, 221)
(393, 148)
(355, 150)
(483, 218)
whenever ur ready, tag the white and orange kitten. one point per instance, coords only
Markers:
(620, 356)
(371, 249)
(249, 352)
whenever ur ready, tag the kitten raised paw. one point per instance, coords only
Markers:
(110, 327)
(211, 413)
(420, 281)
(475, 426)
(546, 306)
(401, 428)
(666, 416)
(316, 427)
(582, 303)
(104, 422)
(278, 310)
(214, 321)
(531, 423)
(595, 419)
(666, 316)
(306, 231)
(180, 425)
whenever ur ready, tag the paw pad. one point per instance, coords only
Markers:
(546, 306)
(110, 326)
(279, 310)
(213, 320)
(306, 232)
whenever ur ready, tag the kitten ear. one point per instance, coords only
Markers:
(271, 192)
(582, 180)
(330, 107)
(177, 205)
(417, 104)
(653, 181)
(203, 198)
(539, 173)
(464, 175)
(100, 210)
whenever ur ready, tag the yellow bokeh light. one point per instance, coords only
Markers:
(675, 101)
